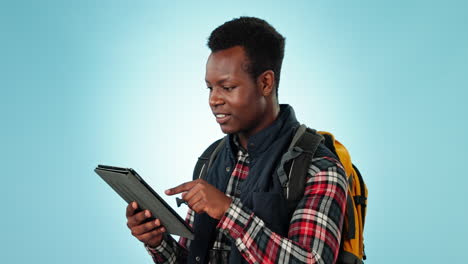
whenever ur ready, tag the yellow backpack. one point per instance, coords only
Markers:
(296, 162)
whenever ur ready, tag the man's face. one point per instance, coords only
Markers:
(235, 98)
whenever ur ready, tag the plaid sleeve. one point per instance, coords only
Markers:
(169, 251)
(315, 228)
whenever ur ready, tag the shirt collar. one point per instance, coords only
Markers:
(238, 145)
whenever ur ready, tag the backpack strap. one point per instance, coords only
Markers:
(206, 159)
(297, 161)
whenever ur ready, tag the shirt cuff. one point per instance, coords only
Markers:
(158, 250)
(235, 220)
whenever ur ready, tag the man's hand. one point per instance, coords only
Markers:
(203, 197)
(148, 232)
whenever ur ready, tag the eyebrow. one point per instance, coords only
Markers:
(219, 81)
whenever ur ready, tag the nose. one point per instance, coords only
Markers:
(216, 98)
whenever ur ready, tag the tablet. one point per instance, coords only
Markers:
(131, 187)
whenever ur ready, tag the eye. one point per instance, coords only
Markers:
(209, 88)
(228, 88)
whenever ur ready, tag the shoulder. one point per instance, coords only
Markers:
(324, 157)
(327, 163)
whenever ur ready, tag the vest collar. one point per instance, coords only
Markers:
(260, 142)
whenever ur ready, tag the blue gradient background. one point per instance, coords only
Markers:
(121, 83)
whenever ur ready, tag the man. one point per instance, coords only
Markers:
(238, 212)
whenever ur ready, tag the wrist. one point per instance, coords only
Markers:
(224, 208)
(227, 206)
(158, 248)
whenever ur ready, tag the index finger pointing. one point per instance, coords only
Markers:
(181, 188)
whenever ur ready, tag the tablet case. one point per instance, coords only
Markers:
(131, 187)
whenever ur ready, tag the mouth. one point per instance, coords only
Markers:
(222, 118)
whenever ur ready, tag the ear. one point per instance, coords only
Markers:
(266, 82)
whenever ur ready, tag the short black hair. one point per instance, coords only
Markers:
(263, 45)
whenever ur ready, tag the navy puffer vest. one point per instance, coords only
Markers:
(261, 191)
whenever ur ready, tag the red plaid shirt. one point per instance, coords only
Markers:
(314, 231)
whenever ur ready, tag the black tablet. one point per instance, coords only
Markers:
(131, 187)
